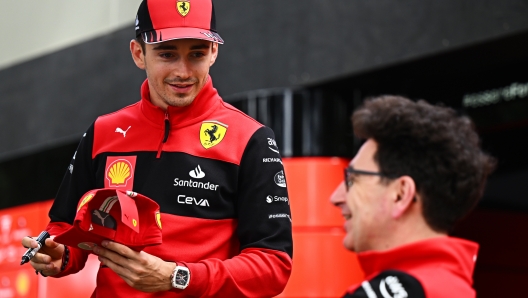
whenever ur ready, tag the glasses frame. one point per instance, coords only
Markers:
(350, 170)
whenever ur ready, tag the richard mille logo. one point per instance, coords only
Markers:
(120, 130)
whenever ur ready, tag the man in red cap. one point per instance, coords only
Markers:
(420, 171)
(199, 158)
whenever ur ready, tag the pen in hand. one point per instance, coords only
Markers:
(30, 253)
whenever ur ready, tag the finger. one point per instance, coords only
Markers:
(51, 243)
(53, 249)
(120, 249)
(117, 268)
(45, 264)
(28, 242)
(41, 258)
(48, 270)
(110, 255)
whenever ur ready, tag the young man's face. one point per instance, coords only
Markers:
(177, 69)
(367, 200)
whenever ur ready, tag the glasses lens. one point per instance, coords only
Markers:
(348, 181)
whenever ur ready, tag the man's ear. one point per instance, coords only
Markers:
(137, 53)
(214, 53)
(405, 190)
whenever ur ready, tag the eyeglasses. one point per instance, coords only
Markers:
(350, 170)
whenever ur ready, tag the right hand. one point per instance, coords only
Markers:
(48, 259)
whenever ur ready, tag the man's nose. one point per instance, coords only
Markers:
(339, 195)
(181, 69)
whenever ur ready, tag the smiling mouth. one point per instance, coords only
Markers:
(181, 86)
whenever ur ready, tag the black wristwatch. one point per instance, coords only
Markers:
(180, 277)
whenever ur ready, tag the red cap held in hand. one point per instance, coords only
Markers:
(113, 215)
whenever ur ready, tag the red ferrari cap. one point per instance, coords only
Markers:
(162, 20)
(113, 214)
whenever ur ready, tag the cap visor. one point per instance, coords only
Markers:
(75, 237)
(161, 35)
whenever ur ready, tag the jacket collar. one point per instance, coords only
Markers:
(456, 255)
(202, 106)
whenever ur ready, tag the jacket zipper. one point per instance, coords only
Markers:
(166, 134)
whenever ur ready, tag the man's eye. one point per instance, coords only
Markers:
(166, 55)
(198, 55)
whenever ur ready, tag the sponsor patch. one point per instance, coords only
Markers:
(103, 219)
(392, 284)
(272, 145)
(85, 200)
(279, 179)
(197, 173)
(158, 219)
(120, 172)
(271, 159)
(280, 215)
(195, 184)
(121, 131)
(271, 199)
(182, 199)
(212, 133)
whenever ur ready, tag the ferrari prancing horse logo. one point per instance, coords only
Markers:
(212, 133)
(183, 7)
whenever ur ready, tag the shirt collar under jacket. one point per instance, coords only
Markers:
(206, 101)
(454, 254)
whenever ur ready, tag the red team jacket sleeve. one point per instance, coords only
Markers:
(77, 181)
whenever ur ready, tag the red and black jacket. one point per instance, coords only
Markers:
(219, 180)
(439, 267)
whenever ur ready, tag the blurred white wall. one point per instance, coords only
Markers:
(33, 28)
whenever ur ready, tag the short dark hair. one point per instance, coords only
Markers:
(142, 43)
(435, 146)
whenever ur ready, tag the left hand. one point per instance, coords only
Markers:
(140, 270)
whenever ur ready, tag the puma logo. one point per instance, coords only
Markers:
(119, 130)
(98, 214)
(103, 219)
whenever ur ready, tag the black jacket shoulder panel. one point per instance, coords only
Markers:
(389, 284)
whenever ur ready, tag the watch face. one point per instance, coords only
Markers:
(181, 277)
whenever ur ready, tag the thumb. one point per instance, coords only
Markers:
(53, 249)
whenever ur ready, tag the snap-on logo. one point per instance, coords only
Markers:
(271, 199)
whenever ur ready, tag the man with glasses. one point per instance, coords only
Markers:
(420, 170)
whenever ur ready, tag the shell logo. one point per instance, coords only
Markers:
(85, 200)
(134, 222)
(158, 219)
(119, 172)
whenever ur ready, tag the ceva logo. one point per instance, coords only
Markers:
(182, 199)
